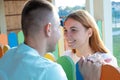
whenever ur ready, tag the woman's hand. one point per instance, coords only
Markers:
(89, 69)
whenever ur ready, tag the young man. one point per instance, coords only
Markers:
(40, 25)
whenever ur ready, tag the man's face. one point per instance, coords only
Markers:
(55, 33)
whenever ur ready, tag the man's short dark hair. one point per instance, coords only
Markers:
(34, 15)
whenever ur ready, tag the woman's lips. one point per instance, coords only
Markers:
(71, 42)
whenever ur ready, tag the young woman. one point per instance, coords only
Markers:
(82, 36)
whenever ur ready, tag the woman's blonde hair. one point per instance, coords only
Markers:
(88, 21)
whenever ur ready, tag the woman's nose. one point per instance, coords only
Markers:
(67, 34)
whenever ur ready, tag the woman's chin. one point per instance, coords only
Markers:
(72, 47)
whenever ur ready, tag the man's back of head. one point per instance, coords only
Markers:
(35, 14)
(39, 20)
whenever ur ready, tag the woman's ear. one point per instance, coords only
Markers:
(48, 29)
(90, 32)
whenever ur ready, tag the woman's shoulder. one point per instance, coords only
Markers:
(105, 55)
(109, 58)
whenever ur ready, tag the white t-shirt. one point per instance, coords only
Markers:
(108, 58)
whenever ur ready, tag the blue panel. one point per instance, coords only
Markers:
(12, 39)
(78, 74)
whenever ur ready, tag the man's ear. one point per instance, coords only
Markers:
(48, 29)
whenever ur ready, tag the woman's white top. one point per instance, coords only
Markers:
(108, 58)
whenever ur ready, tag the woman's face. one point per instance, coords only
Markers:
(76, 34)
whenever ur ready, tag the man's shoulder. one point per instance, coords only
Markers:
(45, 63)
(51, 69)
(55, 72)
(48, 69)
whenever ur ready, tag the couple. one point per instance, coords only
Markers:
(41, 28)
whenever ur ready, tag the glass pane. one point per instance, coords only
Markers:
(67, 6)
(116, 28)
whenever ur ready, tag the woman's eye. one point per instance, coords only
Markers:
(65, 30)
(73, 30)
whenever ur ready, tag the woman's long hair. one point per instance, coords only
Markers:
(88, 21)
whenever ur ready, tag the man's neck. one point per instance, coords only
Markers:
(38, 46)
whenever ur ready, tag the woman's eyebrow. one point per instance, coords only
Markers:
(73, 27)
(64, 28)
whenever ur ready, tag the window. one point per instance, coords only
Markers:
(116, 28)
(67, 6)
